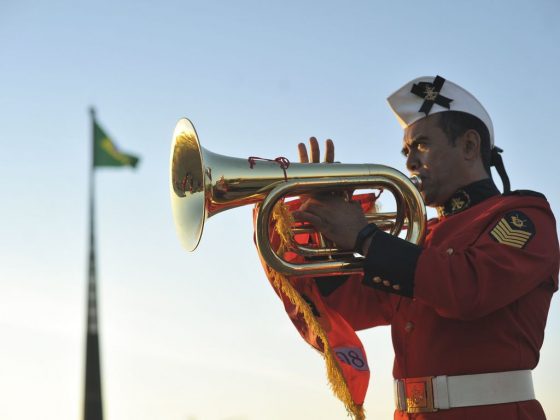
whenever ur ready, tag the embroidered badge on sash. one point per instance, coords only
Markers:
(514, 229)
(352, 356)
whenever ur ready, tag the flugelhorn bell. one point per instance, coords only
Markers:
(203, 183)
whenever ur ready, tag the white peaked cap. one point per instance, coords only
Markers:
(428, 95)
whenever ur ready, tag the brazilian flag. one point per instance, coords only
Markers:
(105, 153)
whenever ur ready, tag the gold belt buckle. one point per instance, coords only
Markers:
(419, 394)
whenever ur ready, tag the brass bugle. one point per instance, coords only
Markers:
(203, 183)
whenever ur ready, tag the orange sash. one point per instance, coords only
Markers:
(322, 327)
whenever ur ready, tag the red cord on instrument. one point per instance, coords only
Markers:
(283, 162)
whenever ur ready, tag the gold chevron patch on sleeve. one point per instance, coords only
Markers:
(514, 229)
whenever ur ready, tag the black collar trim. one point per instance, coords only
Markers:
(468, 196)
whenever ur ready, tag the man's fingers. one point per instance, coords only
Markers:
(302, 150)
(314, 146)
(329, 151)
(304, 216)
(314, 156)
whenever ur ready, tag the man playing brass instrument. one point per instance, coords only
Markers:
(468, 306)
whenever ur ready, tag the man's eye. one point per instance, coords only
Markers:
(422, 147)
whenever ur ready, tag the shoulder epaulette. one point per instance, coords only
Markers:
(526, 193)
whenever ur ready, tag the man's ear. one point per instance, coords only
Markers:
(470, 144)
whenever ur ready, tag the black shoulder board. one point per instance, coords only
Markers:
(526, 193)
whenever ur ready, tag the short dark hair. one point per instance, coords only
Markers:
(456, 123)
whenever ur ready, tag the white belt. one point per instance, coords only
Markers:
(432, 393)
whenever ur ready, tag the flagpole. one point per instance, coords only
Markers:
(93, 405)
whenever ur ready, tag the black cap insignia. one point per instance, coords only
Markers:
(430, 93)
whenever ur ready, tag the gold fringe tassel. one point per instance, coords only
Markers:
(284, 220)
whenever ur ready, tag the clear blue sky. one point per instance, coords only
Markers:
(202, 336)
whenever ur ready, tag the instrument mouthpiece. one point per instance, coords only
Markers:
(417, 181)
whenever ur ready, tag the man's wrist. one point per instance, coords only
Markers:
(366, 246)
(364, 237)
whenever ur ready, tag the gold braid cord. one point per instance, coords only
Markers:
(283, 222)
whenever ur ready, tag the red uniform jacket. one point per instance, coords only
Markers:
(479, 291)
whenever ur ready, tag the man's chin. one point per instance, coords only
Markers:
(434, 202)
(429, 199)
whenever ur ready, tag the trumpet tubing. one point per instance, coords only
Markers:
(203, 184)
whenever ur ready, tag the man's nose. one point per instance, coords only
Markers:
(412, 163)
